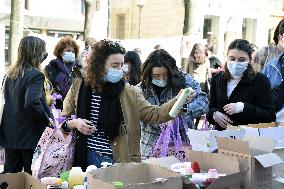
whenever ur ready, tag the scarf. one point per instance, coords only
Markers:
(110, 111)
(110, 114)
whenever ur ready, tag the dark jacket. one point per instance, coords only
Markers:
(255, 94)
(26, 113)
(59, 75)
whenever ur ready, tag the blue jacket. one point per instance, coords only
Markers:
(273, 71)
(197, 107)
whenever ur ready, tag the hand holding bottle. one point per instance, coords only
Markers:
(183, 96)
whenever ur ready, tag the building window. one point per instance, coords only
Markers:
(120, 32)
(83, 6)
(7, 58)
(27, 4)
(98, 5)
(207, 30)
(249, 29)
(7, 3)
(277, 5)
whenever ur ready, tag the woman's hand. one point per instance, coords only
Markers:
(84, 126)
(190, 97)
(234, 108)
(222, 119)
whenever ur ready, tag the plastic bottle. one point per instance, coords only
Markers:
(91, 168)
(118, 184)
(76, 177)
(86, 182)
(64, 185)
(212, 176)
(79, 187)
(180, 102)
(53, 181)
(105, 164)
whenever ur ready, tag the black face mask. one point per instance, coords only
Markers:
(44, 57)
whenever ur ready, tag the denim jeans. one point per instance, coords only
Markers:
(94, 158)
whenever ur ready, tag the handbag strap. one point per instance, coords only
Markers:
(3, 83)
(170, 131)
(281, 86)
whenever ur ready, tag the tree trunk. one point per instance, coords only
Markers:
(90, 9)
(190, 16)
(109, 19)
(16, 28)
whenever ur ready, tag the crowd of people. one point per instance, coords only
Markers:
(120, 102)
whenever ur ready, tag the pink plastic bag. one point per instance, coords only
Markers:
(2, 155)
(54, 153)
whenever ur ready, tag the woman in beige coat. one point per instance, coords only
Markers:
(108, 110)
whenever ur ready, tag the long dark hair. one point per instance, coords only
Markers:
(135, 67)
(30, 54)
(279, 30)
(95, 69)
(161, 58)
(241, 45)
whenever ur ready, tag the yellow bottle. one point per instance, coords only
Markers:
(76, 177)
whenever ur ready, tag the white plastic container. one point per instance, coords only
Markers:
(76, 177)
(180, 102)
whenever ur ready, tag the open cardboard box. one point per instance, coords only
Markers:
(228, 165)
(21, 181)
(205, 141)
(135, 176)
(256, 153)
(276, 133)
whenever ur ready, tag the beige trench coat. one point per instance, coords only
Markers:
(126, 147)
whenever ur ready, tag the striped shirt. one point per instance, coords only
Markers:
(98, 141)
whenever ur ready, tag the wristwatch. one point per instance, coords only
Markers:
(214, 115)
(64, 126)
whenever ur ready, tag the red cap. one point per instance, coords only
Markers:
(195, 167)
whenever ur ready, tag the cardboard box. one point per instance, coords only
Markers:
(205, 141)
(21, 181)
(256, 153)
(262, 125)
(278, 183)
(224, 164)
(278, 170)
(135, 176)
(276, 133)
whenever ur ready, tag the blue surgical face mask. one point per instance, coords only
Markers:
(237, 69)
(113, 75)
(159, 82)
(68, 57)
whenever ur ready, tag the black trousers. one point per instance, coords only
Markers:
(16, 160)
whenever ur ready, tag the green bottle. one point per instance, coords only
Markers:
(118, 184)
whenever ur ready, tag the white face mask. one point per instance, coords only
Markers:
(125, 68)
(237, 69)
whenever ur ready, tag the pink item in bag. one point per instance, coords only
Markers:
(54, 154)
